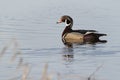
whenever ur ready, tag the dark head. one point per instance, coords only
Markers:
(67, 20)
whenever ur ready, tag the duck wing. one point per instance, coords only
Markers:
(84, 31)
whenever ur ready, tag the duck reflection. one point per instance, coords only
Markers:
(68, 53)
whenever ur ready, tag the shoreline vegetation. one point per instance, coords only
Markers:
(25, 68)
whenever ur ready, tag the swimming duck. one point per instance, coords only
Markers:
(78, 36)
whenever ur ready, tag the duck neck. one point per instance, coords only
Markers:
(67, 30)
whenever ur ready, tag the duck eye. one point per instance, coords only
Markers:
(67, 21)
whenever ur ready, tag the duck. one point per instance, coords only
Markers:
(78, 36)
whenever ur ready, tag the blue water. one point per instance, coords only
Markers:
(33, 24)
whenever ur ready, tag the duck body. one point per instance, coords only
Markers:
(78, 36)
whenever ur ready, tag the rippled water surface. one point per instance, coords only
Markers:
(32, 23)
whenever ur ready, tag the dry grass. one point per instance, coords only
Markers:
(92, 74)
(45, 75)
(26, 69)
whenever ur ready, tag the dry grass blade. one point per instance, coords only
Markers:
(20, 63)
(14, 56)
(15, 50)
(98, 68)
(26, 71)
(5, 48)
(45, 75)
(3, 51)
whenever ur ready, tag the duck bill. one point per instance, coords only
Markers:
(60, 21)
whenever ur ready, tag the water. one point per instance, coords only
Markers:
(33, 24)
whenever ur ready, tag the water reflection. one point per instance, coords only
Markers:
(68, 54)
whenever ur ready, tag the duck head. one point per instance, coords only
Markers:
(66, 19)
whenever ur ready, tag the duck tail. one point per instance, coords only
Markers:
(94, 37)
(99, 35)
(102, 41)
